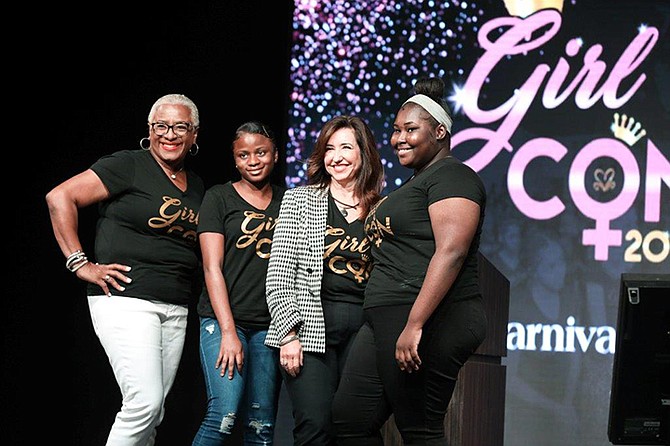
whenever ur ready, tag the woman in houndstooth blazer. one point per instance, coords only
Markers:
(318, 269)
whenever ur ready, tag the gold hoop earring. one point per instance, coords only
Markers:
(142, 144)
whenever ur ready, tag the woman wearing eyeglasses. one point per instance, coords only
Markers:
(141, 274)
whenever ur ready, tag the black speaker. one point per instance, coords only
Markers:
(640, 394)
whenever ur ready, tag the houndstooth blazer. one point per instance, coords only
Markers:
(295, 268)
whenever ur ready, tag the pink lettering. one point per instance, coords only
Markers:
(658, 169)
(602, 237)
(525, 203)
(520, 37)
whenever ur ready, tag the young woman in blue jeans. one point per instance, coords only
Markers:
(235, 231)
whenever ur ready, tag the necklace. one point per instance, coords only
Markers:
(174, 175)
(344, 206)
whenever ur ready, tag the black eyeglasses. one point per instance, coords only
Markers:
(179, 129)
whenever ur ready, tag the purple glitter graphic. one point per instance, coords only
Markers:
(362, 58)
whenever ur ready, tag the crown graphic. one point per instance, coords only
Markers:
(626, 129)
(524, 8)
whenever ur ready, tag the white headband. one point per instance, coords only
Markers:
(432, 107)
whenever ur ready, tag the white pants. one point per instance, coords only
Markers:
(144, 341)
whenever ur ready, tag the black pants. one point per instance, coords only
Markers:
(372, 386)
(312, 391)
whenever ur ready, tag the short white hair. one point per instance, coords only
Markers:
(176, 99)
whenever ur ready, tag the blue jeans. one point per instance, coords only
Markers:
(252, 396)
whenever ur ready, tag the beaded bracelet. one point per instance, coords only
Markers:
(288, 340)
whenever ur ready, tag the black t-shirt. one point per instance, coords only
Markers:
(402, 237)
(149, 224)
(346, 259)
(247, 232)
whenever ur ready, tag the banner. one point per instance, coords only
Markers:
(563, 108)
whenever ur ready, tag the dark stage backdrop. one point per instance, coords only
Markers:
(84, 85)
(572, 203)
(565, 113)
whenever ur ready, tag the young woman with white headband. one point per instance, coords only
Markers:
(424, 314)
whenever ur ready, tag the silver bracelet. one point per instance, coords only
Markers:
(76, 266)
(288, 340)
(76, 260)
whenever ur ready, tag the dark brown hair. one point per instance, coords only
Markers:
(370, 179)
